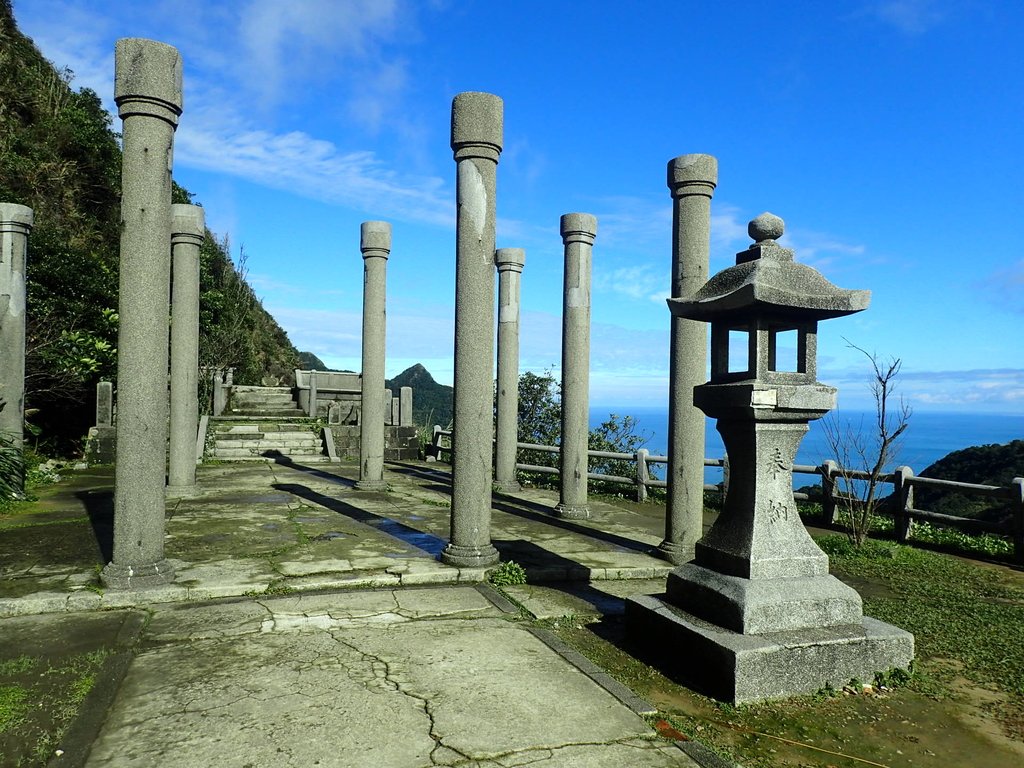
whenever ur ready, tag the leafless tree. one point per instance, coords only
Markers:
(864, 452)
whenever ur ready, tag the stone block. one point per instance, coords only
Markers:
(739, 668)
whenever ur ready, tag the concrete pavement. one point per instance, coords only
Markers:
(311, 624)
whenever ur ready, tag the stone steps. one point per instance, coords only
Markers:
(265, 438)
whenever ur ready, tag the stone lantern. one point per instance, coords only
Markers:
(756, 614)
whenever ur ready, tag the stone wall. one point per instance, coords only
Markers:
(400, 443)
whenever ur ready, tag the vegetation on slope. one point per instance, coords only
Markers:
(432, 403)
(983, 464)
(60, 156)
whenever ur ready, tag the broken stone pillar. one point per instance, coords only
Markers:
(578, 233)
(405, 407)
(375, 244)
(476, 142)
(692, 180)
(188, 228)
(510, 263)
(104, 404)
(756, 614)
(15, 225)
(147, 90)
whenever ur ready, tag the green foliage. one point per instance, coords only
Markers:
(507, 574)
(310, 362)
(982, 464)
(234, 329)
(12, 469)
(60, 157)
(540, 422)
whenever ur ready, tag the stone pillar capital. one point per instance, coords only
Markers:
(578, 228)
(15, 218)
(510, 259)
(375, 239)
(693, 175)
(477, 125)
(147, 79)
(188, 224)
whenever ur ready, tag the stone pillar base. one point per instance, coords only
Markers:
(468, 557)
(145, 576)
(675, 553)
(573, 511)
(739, 668)
(372, 485)
(181, 491)
(507, 486)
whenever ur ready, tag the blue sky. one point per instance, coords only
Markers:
(889, 134)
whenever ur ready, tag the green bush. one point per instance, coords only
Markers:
(507, 574)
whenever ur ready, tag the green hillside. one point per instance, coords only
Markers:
(982, 464)
(432, 403)
(60, 156)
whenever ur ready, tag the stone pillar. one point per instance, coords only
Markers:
(692, 180)
(188, 228)
(375, 244)
(104, 404)
(578, 233)
(510, 263)
(405, 407)
(15, 225)
(477, 120)
(147, 90)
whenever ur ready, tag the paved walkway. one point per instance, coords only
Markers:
(311, 624)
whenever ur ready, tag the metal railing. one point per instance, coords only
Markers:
(900, 506)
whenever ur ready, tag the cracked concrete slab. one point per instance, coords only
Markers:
(432, 676)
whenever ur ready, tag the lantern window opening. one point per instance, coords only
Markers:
(785, 348)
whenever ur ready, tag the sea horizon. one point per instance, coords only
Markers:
(930, 435)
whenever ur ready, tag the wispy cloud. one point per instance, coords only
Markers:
(912, 17)
(284, 44)
(303, 164)
(1005, 288)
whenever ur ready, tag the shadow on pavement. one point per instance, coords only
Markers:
(99, 506)
(426, 542)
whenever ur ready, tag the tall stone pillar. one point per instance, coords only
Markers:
(375, 244)
(15, 225)
(692, 180)
(510, 263)
(578, 233)
(147, 90)
(476, 142)
(188, 227)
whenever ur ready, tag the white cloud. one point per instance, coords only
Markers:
(912, 17)
(285, 43)
(302, 164)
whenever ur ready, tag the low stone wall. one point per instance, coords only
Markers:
(400, 443)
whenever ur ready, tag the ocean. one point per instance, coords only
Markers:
(929, 436)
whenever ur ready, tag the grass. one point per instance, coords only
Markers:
(955, 609)
(968, 621)
(39, 698)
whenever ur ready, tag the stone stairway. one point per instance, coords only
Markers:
(264, 424)
(263, 401)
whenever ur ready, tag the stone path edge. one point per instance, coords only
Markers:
(76, 744)
(696, 751)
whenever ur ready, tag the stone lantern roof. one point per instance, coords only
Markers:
(766, 280)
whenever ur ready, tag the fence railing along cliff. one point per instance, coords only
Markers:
(902, 479)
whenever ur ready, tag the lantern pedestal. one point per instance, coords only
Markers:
(740, 668)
